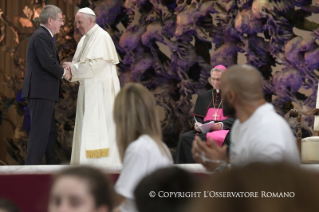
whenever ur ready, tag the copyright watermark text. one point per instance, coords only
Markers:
(215, 194)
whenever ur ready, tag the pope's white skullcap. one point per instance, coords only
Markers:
(86, 10)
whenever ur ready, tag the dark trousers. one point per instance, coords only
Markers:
(184, 146)
(42, 134)
(185, 143)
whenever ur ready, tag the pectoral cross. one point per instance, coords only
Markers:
(215, 115)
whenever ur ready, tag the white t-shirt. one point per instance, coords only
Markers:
(141, 157)
(264, 137)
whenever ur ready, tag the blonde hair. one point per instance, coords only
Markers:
(134, 115)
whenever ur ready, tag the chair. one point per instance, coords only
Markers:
(308, 147)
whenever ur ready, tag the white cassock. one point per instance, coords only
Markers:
(94, 67)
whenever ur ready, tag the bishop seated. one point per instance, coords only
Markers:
(208, 107)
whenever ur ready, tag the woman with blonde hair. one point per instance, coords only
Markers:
(139, 140)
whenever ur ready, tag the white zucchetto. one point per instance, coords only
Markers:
(86, 10)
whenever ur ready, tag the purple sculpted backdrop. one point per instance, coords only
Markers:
(197, 35)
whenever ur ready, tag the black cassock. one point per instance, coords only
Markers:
(203, 103)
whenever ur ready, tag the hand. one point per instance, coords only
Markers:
(68, 68)
(217, 126)
(196, 126)
(209, 154)
(65, 64)
(68, 74)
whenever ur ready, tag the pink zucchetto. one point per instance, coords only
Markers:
(220, 67)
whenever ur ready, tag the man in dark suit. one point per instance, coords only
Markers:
(41, 86)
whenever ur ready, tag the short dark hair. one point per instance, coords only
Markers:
(8, 206)
(100, 186)
(170, 179)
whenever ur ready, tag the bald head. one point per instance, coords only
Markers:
(245, 81)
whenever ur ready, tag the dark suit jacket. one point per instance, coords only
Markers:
(44, 72)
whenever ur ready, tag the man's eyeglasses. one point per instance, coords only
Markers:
(61, 20)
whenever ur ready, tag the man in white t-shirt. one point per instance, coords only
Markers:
(258, 135)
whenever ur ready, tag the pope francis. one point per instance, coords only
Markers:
(94, 67)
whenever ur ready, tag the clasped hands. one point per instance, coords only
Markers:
(67, 68)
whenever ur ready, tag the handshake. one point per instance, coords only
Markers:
(67, 68)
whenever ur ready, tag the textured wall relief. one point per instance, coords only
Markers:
(198, 34)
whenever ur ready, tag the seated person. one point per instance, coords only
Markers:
(139, 140)
(171, 180)
(271, 187)
(81, 189)
(258, 135)
(208, 107)
(8, 206)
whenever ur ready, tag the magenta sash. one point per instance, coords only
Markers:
(219, 135)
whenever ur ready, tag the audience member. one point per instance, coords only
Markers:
(81, 189)
(139, 139)
(164, 182)
(8, 206)
(259, 134)
(260, 187)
